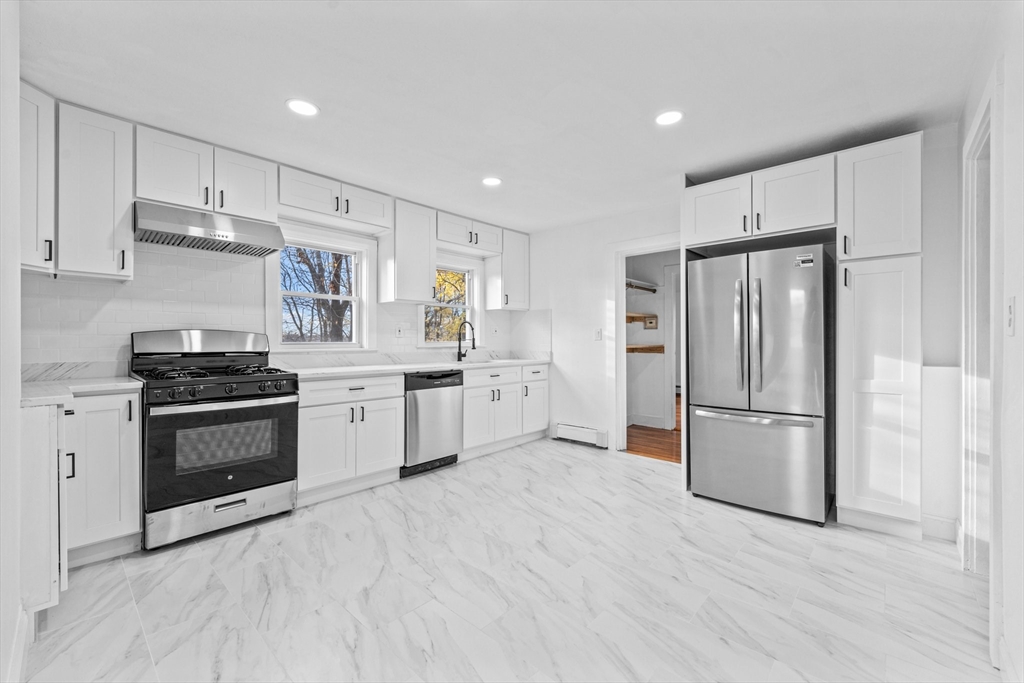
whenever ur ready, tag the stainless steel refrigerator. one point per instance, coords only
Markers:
(761, 390)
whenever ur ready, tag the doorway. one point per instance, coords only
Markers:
(652, 334)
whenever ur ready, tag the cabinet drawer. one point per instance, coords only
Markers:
(533, 373)
(323, 392)
(489, 377)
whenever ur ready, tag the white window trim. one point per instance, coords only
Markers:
(476, 294)
(328, 239)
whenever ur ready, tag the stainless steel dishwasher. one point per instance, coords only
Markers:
(433, 420)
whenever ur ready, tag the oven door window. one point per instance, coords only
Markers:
(194, 452)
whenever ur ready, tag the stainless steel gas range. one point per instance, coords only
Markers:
(219, 431)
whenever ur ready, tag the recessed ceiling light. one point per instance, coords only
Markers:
(303, 107)
(492, 182)
(669, 117)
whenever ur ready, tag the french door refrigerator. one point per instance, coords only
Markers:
(761, 391)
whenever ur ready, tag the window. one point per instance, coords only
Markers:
(441, 322)
(318, 299)
(318, 287)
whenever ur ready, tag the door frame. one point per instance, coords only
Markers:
(673, 306)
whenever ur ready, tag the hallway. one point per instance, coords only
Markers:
(660, 444)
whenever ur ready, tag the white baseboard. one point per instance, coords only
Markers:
(104, 550)
(19, 647)
(881, 523)
(1008, 669)
(939, 527)
(343, 488)
(656, 421)
(960, 539)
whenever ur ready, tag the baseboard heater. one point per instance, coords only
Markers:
(587, 435)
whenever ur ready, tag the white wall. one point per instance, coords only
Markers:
(1002, 62)
(573, 274)
(10, 341)
(646, 400)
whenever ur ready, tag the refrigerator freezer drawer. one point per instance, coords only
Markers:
(766, 461)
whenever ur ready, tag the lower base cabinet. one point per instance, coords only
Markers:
(535, 406)
(491, 414)
(344, 440)
(104, 480)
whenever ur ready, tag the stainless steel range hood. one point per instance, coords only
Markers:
(178, 227)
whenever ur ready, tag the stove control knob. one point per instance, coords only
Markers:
(195, 392)
(173, 393)
(230, 388)
(278, 385)
(264, 386)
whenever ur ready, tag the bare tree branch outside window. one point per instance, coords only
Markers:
(317, 296)
(441, 322)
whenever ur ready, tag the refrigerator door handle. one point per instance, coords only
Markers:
(753, 420)
(737, 332)
(755, 335)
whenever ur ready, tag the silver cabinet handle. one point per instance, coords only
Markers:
(737, 332)
(229, 506)
(755, 335)
(753, 420)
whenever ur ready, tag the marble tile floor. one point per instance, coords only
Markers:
(549, 561)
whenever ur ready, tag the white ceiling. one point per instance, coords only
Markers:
(423, 99)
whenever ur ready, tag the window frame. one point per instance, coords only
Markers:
(364, 252)
(474, 269)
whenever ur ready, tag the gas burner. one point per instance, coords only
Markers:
(177, 373)
(236, 370)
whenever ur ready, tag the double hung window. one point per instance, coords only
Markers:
(319, 299)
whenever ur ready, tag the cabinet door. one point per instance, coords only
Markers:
(508, 412)
(794, 196)
(38, 175)
(327, 444)
(478, 416)
(487, 237)
(380, 435)
(454, 229)
(535, 407)
(515, 271)
(40, 492)
(311, 192)
(245, 186)
(94, 202)
(411, 258)
(173, 169)
(878, 397)
(104, 486)
(366, 206)
(717, 211)
(879, 195)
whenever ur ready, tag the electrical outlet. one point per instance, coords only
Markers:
(1011, 315)
(495, 332)
(402, 330)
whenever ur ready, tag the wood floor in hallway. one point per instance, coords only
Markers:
(660, 444)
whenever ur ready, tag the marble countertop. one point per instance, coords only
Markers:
(62, 392)
(398, 369)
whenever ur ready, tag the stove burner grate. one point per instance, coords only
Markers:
(176, 373)
(236, 370)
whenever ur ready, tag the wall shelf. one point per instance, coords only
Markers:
(650, 320)
(645, 348)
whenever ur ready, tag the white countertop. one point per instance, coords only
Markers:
(399, 369)
(62, 392)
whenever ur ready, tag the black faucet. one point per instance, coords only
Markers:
(462, 354)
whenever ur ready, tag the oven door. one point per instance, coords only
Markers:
(203, 450)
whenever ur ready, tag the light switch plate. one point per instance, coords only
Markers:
(598, 333)
(1011, 315)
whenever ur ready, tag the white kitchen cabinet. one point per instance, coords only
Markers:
(454, 229)
(94, 199)
(794, 196)
(488, 238)
(327, 444)
(535, 405)
(407, 256)
(310, 192)
(103, 462)
(380, 435)
(879, 199)
(38, 178)
(44, 537)
(468, 236)
(244, 185)
(492, 405)
(508, 275)
(508, 412)
(477, 416)
(367, 206)
(718, 210)
(878, 398)
(173, 169)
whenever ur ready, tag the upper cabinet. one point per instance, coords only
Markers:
(508, 275)
(38, 175)
(310, 192)
(467, 236)
(407, 256)
(303, 192)
(173, 169)
(244, 185)
(879, 193)
(794, 196)
(178, 170)
(366, 206)
(94, 204)
(789, 197)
